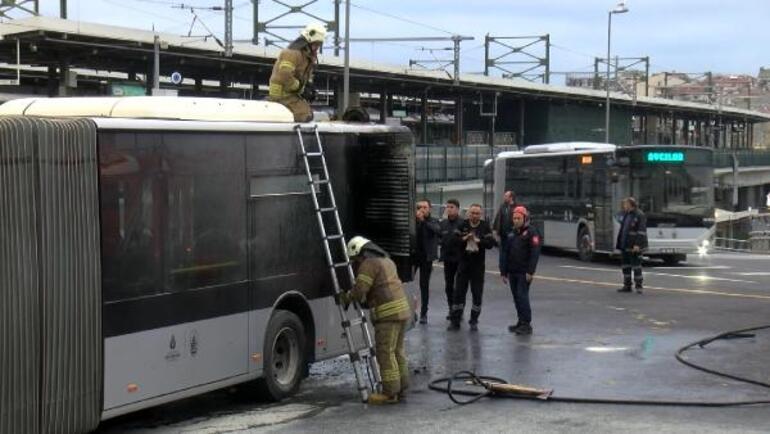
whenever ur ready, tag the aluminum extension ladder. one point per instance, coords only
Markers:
(335, 249)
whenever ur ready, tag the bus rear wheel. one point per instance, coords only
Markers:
(585, 245)
(284, 356)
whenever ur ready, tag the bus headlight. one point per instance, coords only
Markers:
(703, 249)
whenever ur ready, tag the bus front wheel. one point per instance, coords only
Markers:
(585, 245)
(284, 356)
(673, 259)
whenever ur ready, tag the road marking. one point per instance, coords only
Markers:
(693, 267)
(656, 288)
(579, 267)
(605, 349)
(755, 273)
(701, 278)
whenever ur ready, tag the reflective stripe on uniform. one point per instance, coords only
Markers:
(364, 279)
(285, 64)
(276, 90)
(391, 308)
(390, 374)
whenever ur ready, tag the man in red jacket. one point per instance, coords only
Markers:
(517, 266)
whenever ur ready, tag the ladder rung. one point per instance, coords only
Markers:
(314, 154)
(320, 182)
(361, 354)
(334, 208)
(340, 264)
(353, 322)
(335, 237)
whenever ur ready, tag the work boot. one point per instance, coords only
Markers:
(512, 328)
(453, 326)
(639, 288)
(474, 326)
(423, 319)
(524, 329)
(625, 289)
(381, 399)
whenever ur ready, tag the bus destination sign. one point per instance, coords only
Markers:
(664, 157)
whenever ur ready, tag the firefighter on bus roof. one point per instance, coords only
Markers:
(291, 82)
(377, 284)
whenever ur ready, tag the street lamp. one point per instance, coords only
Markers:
(619, 9)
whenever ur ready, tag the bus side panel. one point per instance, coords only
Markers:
(50, 276)
(71, 277)
(174, 262)
(19, 280)
(151, 363)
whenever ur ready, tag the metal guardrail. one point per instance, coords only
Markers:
(453, 163)
(746, 158)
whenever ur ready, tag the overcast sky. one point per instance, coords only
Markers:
(723, 36)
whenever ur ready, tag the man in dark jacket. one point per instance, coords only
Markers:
(519, 262)
(632, 241)
(428, 233)
(450, 248)
(502, 225)
(476, 237)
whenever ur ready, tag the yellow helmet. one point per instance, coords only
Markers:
(356, 244)
(314, 32)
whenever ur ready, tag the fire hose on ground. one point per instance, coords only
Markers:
(493, 387)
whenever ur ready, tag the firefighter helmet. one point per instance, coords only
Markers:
(356, 245)
(314, 33)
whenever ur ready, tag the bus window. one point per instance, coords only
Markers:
(206, 232)
(131, 199)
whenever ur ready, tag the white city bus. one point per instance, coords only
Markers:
(152, 249)
(573, 191)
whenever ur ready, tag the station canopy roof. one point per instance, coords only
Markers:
(47, 41)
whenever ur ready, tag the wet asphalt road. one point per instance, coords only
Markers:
(589, 341)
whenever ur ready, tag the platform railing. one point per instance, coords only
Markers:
(436, 163)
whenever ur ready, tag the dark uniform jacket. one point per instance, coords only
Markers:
(502, 223)
(451, 247)
(633, 231)
(428, 233)
(378, 285)
(522, 250)
(486, 241)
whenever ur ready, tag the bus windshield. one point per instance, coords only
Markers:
(673, 185)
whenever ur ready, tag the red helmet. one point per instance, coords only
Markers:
(521, 209)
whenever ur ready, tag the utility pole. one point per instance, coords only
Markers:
(255, 23)
(346, 73)
(156, 65)
(63, 9)
(456, 39)
(228, 28)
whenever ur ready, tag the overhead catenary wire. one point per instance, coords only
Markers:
(396, 17)
(484, 385)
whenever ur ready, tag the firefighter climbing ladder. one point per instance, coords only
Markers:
(331, 232)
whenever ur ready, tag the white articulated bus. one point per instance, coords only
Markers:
(155, 248)
(573, 191)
